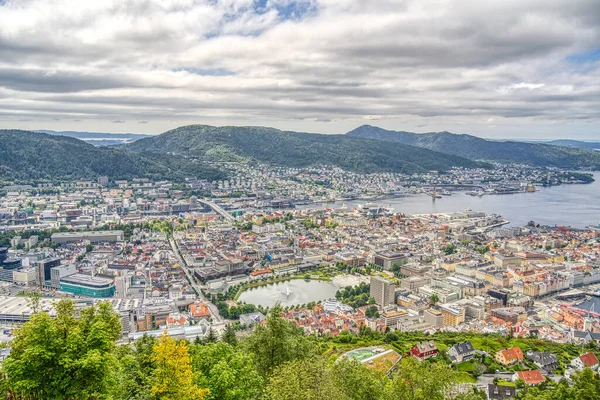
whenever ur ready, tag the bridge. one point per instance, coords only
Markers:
(218, 210)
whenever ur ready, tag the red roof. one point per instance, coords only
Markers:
(533, 377)
(589, 359)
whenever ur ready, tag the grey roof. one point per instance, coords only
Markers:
(496, 392)
(463, 348)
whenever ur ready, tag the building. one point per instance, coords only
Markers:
(452, 314)
(461, 352)
(91, 236)
(382, 290)
(87, 285)
(43, 268)
(434, 318)
(530, 378)
(386, 259)
(252, 318)
(497, 392)
(414, 282)
(199, 310)
(509, 356)
(545, 360)
(587, 360)
(25, 276)
(424, 350)
(60, 271)
(391, 318)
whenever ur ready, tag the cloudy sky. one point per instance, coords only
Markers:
(506, 69)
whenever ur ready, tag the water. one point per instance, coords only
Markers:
(301, 292)
(587, 304)
(570, 205)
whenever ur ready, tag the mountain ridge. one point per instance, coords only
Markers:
(476, 148)
(296, 149)
(27, 156)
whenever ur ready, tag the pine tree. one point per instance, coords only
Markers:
(229, 335)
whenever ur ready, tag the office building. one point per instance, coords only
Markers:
(87, 285)
(382, 290)
(91, 236)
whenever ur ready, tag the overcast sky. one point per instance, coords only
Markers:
(507, 69)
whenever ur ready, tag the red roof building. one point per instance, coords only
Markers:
(533, 377)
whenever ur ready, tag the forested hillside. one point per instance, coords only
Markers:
(475, 148)
(75, 356)
(294, 149)
(30, 156)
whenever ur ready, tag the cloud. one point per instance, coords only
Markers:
(324, 64)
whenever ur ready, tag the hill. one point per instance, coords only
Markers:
(98, 138)
(591, 146)
(295, 149)
(474, 148)
(31, 156)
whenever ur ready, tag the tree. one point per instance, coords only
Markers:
(357, 381)
(70, 356)
(172, 378)
(137, 368)
(434, 299)
(212, 335)
(228, 372)
(276, 342)
(229, 335)
(305, 379)
(414, 380)
(449, 249)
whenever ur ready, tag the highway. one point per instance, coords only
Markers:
(218, 210)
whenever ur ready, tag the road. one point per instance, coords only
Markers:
(218, 210)
(214, 311)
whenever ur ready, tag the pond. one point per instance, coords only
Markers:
(288, 293)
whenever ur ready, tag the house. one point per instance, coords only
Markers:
(461, 352)
(509, 356)
(587, 360)
(584, 337)
(496, 392)
(424, 350)
(199, 310)
(533, 377)
(252, 318)
(545, 360)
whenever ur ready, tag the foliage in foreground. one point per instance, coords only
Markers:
(75, 356)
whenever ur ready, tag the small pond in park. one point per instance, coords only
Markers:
(288, 293)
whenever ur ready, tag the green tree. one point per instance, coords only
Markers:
(70, 356)
(276, 342)
(229, 335)
(228, 372)
(305, 379)
(434, 299)
(415, 380)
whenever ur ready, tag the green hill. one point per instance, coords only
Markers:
(472, 147)
(31, 156)
(295, 149)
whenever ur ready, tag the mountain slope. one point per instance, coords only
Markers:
(29, 156)
(294, 149)
(591, 146)
(480, 149)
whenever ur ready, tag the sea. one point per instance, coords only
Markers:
(575, 205)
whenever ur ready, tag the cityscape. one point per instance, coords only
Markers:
(299, 200)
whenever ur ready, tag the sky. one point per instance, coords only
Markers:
(526, 69)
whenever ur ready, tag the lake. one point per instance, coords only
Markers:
(300, 292)
(577, 206)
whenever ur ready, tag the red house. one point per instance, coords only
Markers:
(424, 350)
